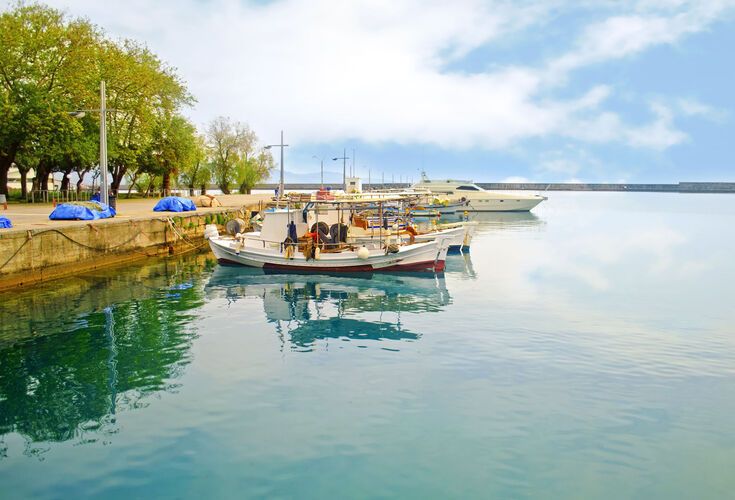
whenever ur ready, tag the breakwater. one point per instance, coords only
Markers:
(680, 187)
(30, 256)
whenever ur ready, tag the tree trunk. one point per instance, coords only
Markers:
(4, 167)
(43, 185)
(166, 183)
(204, 189)
(225, 187)
(65, 182)
(23, 180)
(40, 181)
(117, 177)
(81, 174)
(191, 190)
(6, 161)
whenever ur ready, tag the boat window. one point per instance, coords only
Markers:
(467, 188)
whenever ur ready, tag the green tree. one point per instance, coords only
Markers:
(253, 170)
(229, 142)
(45, 61)
(173, 144)
(142, 89)
(196, 171)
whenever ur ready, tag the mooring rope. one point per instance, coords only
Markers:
(98, 248)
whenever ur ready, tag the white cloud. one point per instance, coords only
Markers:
(375, 70)
(693, 107)
(660, 133)
(656, 23)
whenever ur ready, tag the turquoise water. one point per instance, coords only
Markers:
(586, 350)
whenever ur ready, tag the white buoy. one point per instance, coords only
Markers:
(363, 253)
(210, 231)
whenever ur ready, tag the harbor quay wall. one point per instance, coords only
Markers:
(29, 256)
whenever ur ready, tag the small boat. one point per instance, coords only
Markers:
(286, 242)
(425, 211)
(438, 208)
(459, 235)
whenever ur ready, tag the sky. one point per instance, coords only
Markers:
(493, 91)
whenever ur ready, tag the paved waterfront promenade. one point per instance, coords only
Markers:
(25, 216)
(37, 249)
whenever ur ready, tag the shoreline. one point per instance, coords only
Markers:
(39, 250)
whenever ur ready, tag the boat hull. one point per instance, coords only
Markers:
(508, 204)
(425, 256)
(457, 237)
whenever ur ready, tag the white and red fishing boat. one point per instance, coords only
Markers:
(288, 240)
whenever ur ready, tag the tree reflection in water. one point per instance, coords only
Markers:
(79, 350)
(76, 352)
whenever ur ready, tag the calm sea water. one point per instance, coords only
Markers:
(586, 350)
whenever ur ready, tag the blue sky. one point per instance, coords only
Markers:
(596, 91)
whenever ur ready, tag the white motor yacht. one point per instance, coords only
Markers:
(479, 200)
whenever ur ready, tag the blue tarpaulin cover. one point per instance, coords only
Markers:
(5, 223)
(174, 204)
(82, 210)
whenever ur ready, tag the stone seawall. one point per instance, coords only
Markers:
(34, 255)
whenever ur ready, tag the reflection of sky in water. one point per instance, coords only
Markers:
(584, 350)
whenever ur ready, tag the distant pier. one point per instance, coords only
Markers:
(681, 187)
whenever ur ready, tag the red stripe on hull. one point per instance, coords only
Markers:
(348, 269)
(418, 266)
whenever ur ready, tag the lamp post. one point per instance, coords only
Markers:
(104, 197)
(281, 145)
(344, 159)
(321, 168)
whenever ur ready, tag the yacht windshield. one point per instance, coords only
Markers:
(468, 188)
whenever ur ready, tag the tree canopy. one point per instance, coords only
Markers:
(234, 158)
(52, 64)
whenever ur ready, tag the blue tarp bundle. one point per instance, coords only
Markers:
(5, 223)
(174, 204)
(85, 210)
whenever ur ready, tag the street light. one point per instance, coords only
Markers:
(281, 145)
(344, 159)
(321, 167)
(104, 198)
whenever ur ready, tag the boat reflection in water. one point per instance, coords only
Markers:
(309, 308)
(461, 266)
(499, 221)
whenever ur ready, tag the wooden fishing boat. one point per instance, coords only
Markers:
(287, 242)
